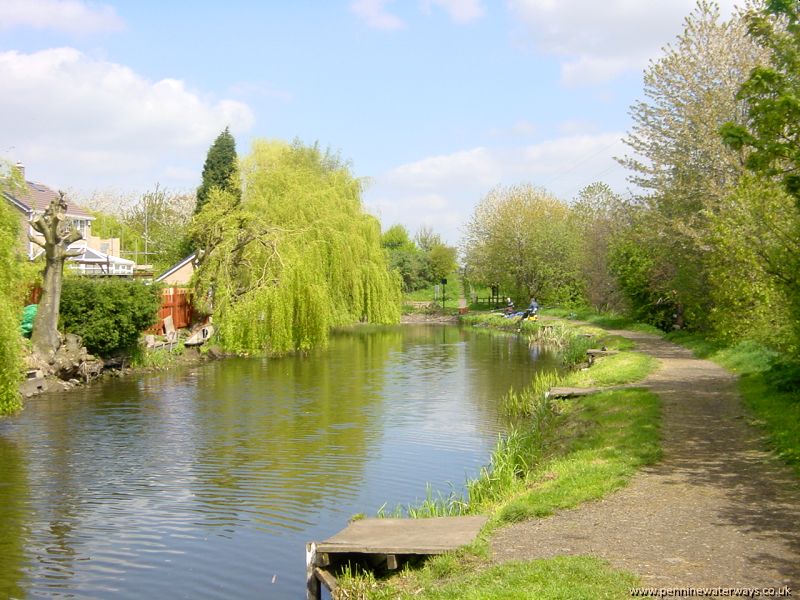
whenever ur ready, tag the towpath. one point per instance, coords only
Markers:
(717, 511)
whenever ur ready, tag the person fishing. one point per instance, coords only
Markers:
(531, 311)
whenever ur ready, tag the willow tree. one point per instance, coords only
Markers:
(10, 367)
(297, 256)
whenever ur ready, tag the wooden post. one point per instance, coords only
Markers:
(312, 583)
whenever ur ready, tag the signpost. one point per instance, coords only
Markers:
(444, 293)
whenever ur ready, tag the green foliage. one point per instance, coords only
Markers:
(442, 260)
(156, 358)
(531, 400)
(397, 238)
(420, 263)
(755, 266)
(109, 314)
(523, 239)
(411, 266)
(771, 134)
(107, 225)
(157, 227)
(637, 275)
(683, 166)
(220, 171)
(295, 257)
(10, 301)
(599, 216)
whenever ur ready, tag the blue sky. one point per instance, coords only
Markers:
(433, 101)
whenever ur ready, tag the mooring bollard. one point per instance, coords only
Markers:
(312, 583)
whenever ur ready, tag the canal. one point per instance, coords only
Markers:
(206, 482)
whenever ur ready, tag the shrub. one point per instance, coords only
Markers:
(108, 314)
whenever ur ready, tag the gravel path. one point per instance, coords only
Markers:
(718, 510)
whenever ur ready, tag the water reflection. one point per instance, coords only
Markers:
(15, 518)
(206, 482)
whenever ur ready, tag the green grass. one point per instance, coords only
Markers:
(605, 320)
(618, 369)
(563, 453)
(563, 577)
(744, 358)
(426, 294)
(778, 413)
(525, 402)
(613, 434)
(160, 358)
(775, 410)
(587, 450)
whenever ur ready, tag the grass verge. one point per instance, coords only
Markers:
(606, 320)
(587, 450)
(550, 579)
(770, 389)
(622, 368)
(565, 453)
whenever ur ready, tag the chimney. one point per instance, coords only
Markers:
(21, 169)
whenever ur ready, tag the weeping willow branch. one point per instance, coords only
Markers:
(297, 256)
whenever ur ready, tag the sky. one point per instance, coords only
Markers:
(433, 102)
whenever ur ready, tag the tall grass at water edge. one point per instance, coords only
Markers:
(523, 447)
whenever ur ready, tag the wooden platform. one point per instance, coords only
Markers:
(571, 392)
(386, 540)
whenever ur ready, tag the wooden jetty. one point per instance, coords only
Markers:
(385, 541)
(571, 392)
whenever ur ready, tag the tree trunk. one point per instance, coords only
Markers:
(58, 233)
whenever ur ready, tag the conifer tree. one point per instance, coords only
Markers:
(221, 170)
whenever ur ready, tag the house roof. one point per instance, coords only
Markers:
(36, 197)
(91, 256)
(177, 266)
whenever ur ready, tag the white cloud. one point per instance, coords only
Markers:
(73, 16)
(597, 41)
(442, 191)
(477, 164)
(460, 11)
(81, 122)
(375, 15)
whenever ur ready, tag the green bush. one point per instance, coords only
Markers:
(108, 314)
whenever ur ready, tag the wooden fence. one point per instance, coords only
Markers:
(177, 303)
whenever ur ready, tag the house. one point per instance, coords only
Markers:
(98, 257)
(178, 275)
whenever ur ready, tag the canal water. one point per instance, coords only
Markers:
(206, 482)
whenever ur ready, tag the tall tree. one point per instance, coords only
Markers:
(158, 223)
(295, 257)
(679, 160)
(221, 170)
(57, 233)
(769, 138)
(600, 216)
(10, 302)
(522, 239)
(770, 129)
